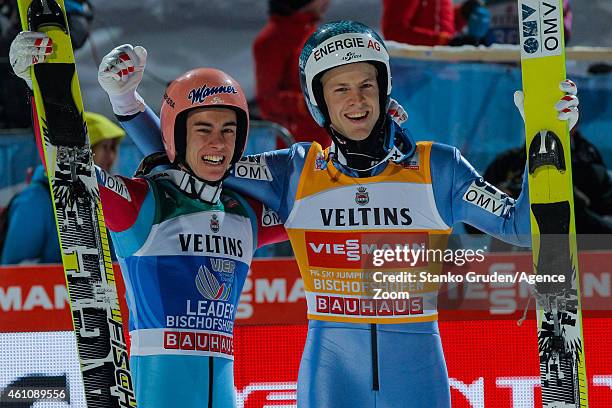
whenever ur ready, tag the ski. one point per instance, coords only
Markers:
(82, 234)
(559, 315)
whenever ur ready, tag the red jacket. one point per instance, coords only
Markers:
(279, 96)
(419, 22)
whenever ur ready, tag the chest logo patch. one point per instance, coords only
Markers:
(362, 196)
(214, 223)
(209, 286)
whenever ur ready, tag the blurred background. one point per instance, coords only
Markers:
(222, 32)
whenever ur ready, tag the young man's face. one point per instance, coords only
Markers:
(105, 153)
(211, 140)
(351, 96)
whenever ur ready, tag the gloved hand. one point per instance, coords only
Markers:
(397, 112)
(119, 74)
(567, 105)
(29, 48)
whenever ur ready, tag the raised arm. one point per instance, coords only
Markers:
(144, 129)
(462, 195)
(127, 203)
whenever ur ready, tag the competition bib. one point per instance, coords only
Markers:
(341, 227)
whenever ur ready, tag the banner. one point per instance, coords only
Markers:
(492, 361)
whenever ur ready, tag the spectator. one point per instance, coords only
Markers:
(104, 137)
(276, 51)
(472, 22)
(31, 234)
(419, 22)
(592, 183)
(14, 102)
(503, 25)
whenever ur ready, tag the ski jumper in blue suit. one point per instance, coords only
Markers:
(185, 254)
(360, 352)
(184, 262)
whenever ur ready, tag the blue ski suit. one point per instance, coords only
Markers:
(362, 352)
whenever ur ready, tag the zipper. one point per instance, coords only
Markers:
(211, 381)
(375, 384)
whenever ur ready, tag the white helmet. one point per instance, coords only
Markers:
(335, 44)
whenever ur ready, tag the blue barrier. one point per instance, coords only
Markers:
(470, 106)
(17, 154)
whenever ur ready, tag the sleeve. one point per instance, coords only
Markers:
(129, 210)
(462, 195)
(121, 199)
(398, 24)
(270, 178)
(27, 224)
(270, 229)
(145, 130)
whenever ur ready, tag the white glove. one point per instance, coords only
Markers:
(119, 74)
(397, 112)
(567, 106)
(29, 48)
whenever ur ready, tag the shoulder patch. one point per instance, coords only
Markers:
(320, 162)
(254, 168)
(114, 184)
(488, 197)
(413, 162)
(269, 217)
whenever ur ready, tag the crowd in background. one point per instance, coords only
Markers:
(279, 99)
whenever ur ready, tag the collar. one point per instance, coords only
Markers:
(400, 146)
(192, 186)
(340, 162)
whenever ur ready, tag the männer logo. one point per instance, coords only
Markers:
(197, 95)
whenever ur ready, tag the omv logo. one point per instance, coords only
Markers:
(210, 287)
